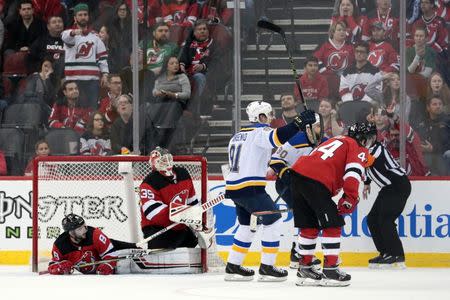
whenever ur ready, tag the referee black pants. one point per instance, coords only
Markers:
(388, 206)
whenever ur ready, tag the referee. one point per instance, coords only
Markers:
(389, 204)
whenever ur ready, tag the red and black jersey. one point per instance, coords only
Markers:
(184, 14)
(337, 163)
(333, 58)
(383, 56)
(390, 21)
(158, 191)
(73, 117)
(354, 26)
(95, 247)
(437, 32)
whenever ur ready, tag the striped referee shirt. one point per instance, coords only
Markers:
(384, 169)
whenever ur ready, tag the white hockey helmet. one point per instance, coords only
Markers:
(162, 161)
(256, 108)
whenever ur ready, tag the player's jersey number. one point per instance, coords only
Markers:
(329, 149)
(235, 153)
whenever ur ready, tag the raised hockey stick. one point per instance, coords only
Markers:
(137, 253)
(256, 215)
(205, 206)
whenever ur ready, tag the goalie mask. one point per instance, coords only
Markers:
(162, 161)
(315, 135)
(364, 133)
(256, 108)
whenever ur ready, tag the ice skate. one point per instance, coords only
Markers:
(392, 262)
(295, 258)
(333, 276)
(271, 273)
(238, 273)
(308, 275)
(374, 262)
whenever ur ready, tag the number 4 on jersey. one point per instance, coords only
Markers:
(329, 149)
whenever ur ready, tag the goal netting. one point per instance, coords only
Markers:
(104, 191)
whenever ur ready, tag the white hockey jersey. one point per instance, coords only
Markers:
(249, 153)
(86, 56)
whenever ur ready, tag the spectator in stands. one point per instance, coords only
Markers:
(122, 128)
(153, 12)
(289, 111)
(104, 35)
(108, 105)
(41, 148)
(314, 85)
(437, 35)
(172, 91)
(389, 97)
(434, 131)
(25, 30)
(438, 88)
(386, 15)
(420, 58)
(355, 79)
(179, 12)
(198, 58)
(45, 9)
(382, 55)
(443, 9)
(331, 125)
(50, 45)
(67, 112)
(95, 140)
(215, 11)
(120, 38)
(348, 13)
(40, 87)
(334, 57)
(85, 57)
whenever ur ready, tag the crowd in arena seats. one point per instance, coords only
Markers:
(359, 63)
(73, 58)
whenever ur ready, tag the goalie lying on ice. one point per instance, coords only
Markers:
(168, 196)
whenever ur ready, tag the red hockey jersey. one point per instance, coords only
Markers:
(390, 21)
(337, 163)
(96, 246)
(313, 89)
(437, 32)
(333, 58)
(71, 117)
(158, 191)
(383, 56)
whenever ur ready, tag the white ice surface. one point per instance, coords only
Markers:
(20, 283)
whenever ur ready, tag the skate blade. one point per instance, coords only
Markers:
(294, 265)
(334, 283)
(237, 277)
(374, 266)
(307, 282)
(394, 266)
(266, 278)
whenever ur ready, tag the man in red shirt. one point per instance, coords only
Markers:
(164, 186)
(381, 53)
(288, 111)
(337, 164)
(81, 244)
(108, 105)
(314, 85)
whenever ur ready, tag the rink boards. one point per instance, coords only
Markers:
(424, 225)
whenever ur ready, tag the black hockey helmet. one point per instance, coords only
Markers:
(364, 133)
(72, 221)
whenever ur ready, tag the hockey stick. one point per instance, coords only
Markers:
(138, 254)
(256, 215)
(205, 207)
(275, 28)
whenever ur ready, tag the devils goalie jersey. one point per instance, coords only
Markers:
(158, 191)
(95, 247)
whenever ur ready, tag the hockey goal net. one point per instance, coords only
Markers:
(104, 191)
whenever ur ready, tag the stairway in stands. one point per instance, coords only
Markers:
(265, 69)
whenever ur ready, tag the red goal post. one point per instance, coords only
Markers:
(102, 189)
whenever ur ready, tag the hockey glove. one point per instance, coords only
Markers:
(346, 205)
(306, 117)
(61, 268)
(105, 269)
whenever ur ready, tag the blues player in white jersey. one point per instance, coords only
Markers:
(249, 154)
(300, 144)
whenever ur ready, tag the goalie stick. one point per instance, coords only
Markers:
(137, 254)
(256, 215)
(205, 206)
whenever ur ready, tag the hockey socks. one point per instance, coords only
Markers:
(270, 242)
(331, 245)
(307, 244)
(242, 242)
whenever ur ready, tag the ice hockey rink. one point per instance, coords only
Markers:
(17, 282)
